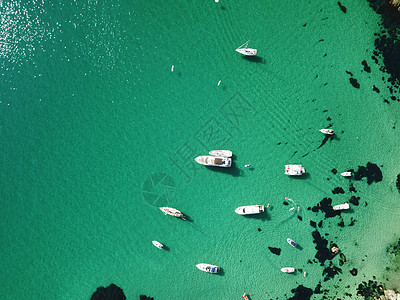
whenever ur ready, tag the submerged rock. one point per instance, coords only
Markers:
(144, 297)
(338, 190)
(276, 251)
(112, 292)
(370, 289)
(323, 252)
(353, 272)
(398, 182)
(301, 293)
(354, 200)
(330, 272)
(371, 171)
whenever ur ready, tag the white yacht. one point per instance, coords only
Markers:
(221, 153)
(346, 174)
(295, 170)
(291, 242)
(157, 244)
(172, 212)
(327, 131)
(246, 51)
(288, 270)
(214, 161)
(341, 206)
(208, 268)
(249, 209)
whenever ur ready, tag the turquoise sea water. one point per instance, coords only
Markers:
(97, 133)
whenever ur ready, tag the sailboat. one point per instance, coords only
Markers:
(246, 51)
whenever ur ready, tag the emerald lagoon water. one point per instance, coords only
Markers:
(97, 132)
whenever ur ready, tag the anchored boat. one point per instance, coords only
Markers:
(214, 161)
(291, 242)
(246, 51)
(346, 174)
(221, 153)
(294, 170)
(208, 268)
(341, 206)
(172, 212)
(158, 244)
(249, 209)
(327, 131)
(288, 270)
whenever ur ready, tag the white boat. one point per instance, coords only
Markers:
(208, 268)
(221, 153)
(246, 51)
(157, 244)
(327, 131)
(288, 270)
(341, 206)
(172, 212)
(245, 297)
(249, 209)
(346, 174)
(291, 242)
(295, 170)
(214, 161)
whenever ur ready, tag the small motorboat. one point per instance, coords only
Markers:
(291, 242)
(295, 170)
(327, 131)
(341, 206)
(158, 244)
(245, 297)
(172, 212)
(249, 209)
(214, 161)
(208, 268)
(221, 153)
(246, 51)
(288, 270)
(346, 174)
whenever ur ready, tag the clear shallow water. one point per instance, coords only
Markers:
(98, 132)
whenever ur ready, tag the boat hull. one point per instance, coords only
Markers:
(288, 270)
(291, 242)
(294, 170)
(346, 174)
(249, 209)
(214, 161)
(221, 153)
(158, 244)
(208, 268)
(172, 212)
(341, 206)
(247, 51)
(327, 131)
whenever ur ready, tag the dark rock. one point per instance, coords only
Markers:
(343, 9)
(259, 229)
(301, 293)
(313, 224)
(323, 252)
(375, 89)
(300, 218)
(276, 251)
(371, 171)
(353, 272)
(354, 200)
(338, 190)
(352, 221)
(144, 297)
(341, 224)
(320, 224)
(334, 171)
(370, 289)
(354, 83)
(285, 203)
(352, 188)
(326, 206)
(366, 67)
(330, 272)
(398, 182)
(112, 292)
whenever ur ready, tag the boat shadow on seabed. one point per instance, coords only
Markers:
(255, 59)
(233, 170)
